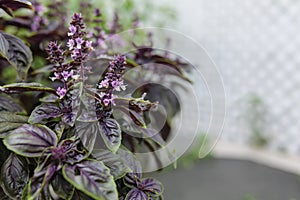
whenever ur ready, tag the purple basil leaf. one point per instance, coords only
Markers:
(151, 186)
(30, 140)
(25, 87)
(136, 194)
(71, 150)
(88, 112)
(154, 135)
(87, 132)
(59, 129)
(8, 10)
(136, 117)
(16, 53)
(131, 179)
(111, 134)
(44, 111)
(8, 104)
(78, 195)
(114, 162)
(93, 178)
(14, 176)
(38, 186)
(49, 99)
(156, 198)
(61, 187)
(130, 160)
(11, 5)
(3, 196)
(70, 105)
(10, 121)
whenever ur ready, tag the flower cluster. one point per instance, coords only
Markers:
(113, 80)
(78, 47)
(56, 54)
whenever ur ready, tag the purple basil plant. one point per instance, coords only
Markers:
(68, 128)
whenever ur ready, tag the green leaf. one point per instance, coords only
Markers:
(30, 140)
(111, 134)
(14, 176)
(8, 104)
(44, 111)
(10, 121)
(93, 178)
(114, 162)
(16, 53)
(25, 87)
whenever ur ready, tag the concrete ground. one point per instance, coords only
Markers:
(224, 179)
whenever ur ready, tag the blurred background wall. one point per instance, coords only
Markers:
(255, 45)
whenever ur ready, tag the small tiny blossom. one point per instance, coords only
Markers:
(104, 84)
(106, 102)
(101, 43)
(88, 44)
(79, 42)
(61, 92)
(72, 30)
(97, 12)
(75, 54)
(71, 44)
(65, 75)
(56, 76)
(56, 54)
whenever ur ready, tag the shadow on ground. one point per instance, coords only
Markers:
(220, 179)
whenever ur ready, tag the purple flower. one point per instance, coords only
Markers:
(106, 102)
(97, 12)
(118, 85)
(75, 54)
(112, 81)
(72, 30)
(79, 42)
(56, 76)
(101, 43)
(61, 92)
(104, 84)
(70, 44)
(36, 23)
(65, 75)
(88, 44)
(77, 17)
(56, 55)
